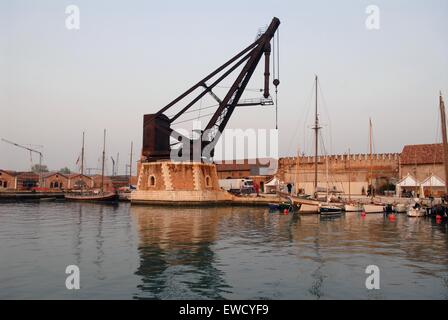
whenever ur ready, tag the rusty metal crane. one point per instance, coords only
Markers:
(157, 129)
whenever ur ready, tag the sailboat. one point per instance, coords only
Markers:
(372, 207)
(101, 196)
(308, 205)
(326, 208)
(350, 206)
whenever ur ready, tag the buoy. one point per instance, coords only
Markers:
(285, 211)
(438, 217)
(363, 214)
(392, 217)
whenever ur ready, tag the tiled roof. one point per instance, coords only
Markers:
(49, 174)
(422, 154)
(11, 173)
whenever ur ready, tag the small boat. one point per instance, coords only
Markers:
(416, 212)
(373, 208)
(328, 211)
(352, 208)
(92, 197)
(304, 205)
(328, 208)
(282, 206)
(309, 208)
(400, 208)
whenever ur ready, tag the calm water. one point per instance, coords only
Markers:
(126, 252)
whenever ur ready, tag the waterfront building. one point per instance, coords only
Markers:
(55, 181)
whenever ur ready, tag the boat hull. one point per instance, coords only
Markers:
(373, 208)
(352, 208)
(329, 209)
(107, 197)
(309, 208)
(416, 213)
(401, 208)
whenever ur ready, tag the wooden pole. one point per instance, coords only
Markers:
(82, 155)
(445, 142)
(130, 165)
(371, 159)
(297, 172)
(349, 176)
(102, 166)
(316, 141)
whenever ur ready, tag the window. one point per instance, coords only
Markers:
(5, 184)
(207, 181)
(56, 184)
(51, 185)
(152, 181)
(1, 184)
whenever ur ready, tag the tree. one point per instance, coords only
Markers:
(65, 170)
(39, 168)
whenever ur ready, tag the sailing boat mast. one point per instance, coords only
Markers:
(297, 172)
(445, 142)
(349, 176)
(82, 154)
(102, 166)
(371, 159)
(326, 176)
(316, 139)
(130, 164)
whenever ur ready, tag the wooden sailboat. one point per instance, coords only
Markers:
(372, 207)
(310, 205)
(350, 206)
(326, 208)
(307, 205)
(101, 196)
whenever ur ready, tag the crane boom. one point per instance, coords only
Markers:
(30, 150)
(23, 147)
(157, 130)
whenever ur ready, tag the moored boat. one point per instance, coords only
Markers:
(328, 209)
(92, 197)
(352, 208)
(416, 212)
(373, 208)
(400, 208)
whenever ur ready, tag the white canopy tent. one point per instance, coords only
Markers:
(433, 186)
(271, 186)
(409, 183)
(433, 181)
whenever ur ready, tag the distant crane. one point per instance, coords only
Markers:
(113, 166)
(31, 151)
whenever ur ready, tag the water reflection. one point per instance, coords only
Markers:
(176, 254)
(250, 253)
(216, 253)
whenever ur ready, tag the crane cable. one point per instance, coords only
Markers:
(276, 72)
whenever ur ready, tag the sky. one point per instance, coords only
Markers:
(131, 58)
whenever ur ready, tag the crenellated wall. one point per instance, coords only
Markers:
(356, 168)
